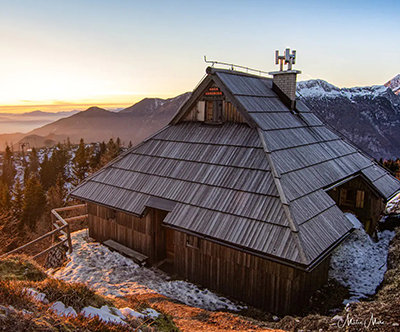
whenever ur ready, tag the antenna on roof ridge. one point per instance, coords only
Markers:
(287, 59)
(233, 66)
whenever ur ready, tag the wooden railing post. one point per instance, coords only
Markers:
(52, 227)
(69, 239)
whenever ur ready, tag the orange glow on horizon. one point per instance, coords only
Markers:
(54, 108)
(24, 106)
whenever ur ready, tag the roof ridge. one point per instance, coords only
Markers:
(214, 70)
(294, 227)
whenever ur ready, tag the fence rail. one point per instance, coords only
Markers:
(60, 226)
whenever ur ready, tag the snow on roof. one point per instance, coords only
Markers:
(356, 223)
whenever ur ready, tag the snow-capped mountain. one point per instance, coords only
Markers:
(368, 116)
(394, 84)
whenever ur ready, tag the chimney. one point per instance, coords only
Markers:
(284, 81)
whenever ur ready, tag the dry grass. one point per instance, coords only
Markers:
(20, 312)
(76, 295)
(13, 293)
(46, 321)
(19, 267)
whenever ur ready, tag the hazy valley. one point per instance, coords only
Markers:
(368, 116)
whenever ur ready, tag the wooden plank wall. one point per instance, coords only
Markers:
(140, 234)
(275, 287)
(373, 205)
(192, 115)
(272, 286)
(230, 113)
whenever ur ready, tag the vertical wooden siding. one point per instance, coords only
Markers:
(144, 235)
(272, 286)
(275, 287)
(372, 206)
(229, 113)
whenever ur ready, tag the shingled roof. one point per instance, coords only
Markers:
(257, 186)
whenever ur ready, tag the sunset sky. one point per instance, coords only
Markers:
(63, 55)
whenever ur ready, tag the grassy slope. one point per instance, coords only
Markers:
(20, 312)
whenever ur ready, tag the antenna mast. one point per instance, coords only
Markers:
(233, 66)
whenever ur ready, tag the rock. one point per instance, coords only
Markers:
(338, 318)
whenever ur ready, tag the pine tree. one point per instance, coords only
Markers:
(69, 145)
(112, 149)
(18, 200)
(95, 158)
(81, 164)
(34, 203)
(9, 228)
(8, 168)
(130, 144)
(103, 148)
(5, 198)
(47, 173)
(34, 162)
(57, 194)
(27, 174)
(59, 160)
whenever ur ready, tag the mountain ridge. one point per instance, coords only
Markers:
(97, 124)
(368, 116)
(394, 84)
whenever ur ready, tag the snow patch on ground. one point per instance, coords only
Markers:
(132, 313)
(60, 309)
(360, 263)
(151, 313)
(105, 313)
(115, 275)
(36, 295)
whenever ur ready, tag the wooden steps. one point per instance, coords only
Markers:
(136, 256)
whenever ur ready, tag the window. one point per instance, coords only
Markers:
(214, 111)
(347, 197)
(213, 99)
(201, 107)
(360, 199)
(192, 241)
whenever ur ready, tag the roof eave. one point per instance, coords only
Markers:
(313, 264)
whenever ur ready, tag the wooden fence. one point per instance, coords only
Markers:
(60, 226)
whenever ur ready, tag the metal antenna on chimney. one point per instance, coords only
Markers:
(287, 59)
(235, 67)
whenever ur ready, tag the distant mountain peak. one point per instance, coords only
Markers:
(322, 89)
(35, 112)
(93, 111)
(369, 116)
(394, 84)
(149, 106)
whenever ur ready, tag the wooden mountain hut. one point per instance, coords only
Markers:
(243, 192)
